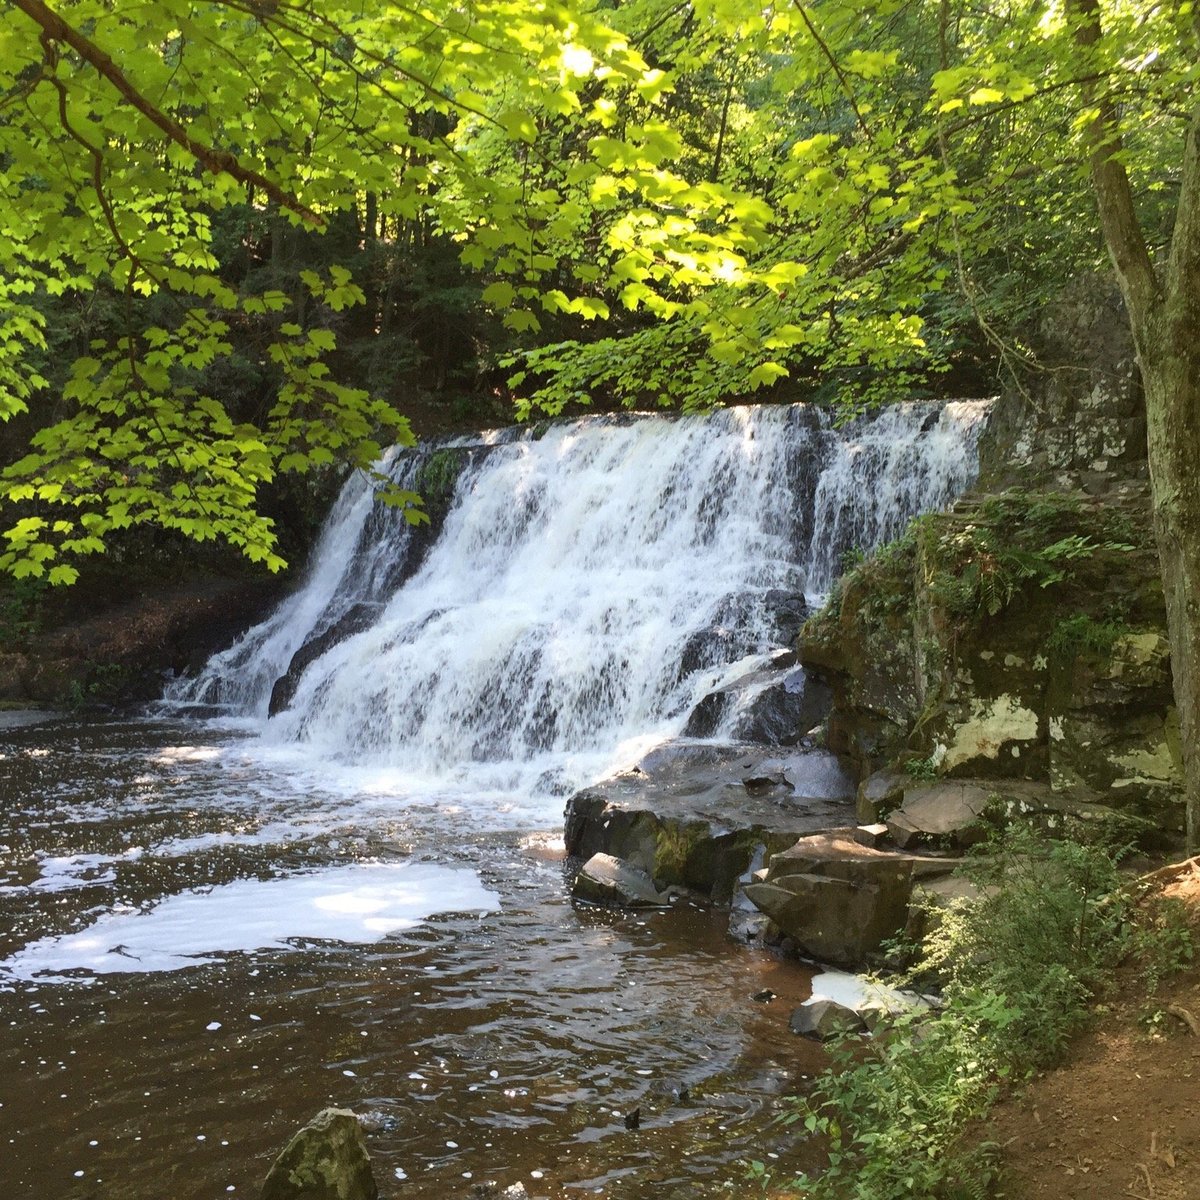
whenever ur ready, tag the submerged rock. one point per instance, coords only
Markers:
(326, 1160)
(490, 1190)
(604, 879)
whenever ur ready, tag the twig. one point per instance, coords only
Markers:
(217, 161)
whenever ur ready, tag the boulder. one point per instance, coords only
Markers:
(947, 813)
(687, 816)
(326, 1160)
(604, 879)
(838, 901)
(834, 920)
(824, 1019)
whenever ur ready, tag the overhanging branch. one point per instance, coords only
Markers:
(217, 161)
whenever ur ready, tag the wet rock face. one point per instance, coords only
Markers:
(698, 815)
(1061, 678)
(773, 706)
(326, 1160)
(358, 618)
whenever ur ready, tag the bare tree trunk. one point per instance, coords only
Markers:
(1172, 387)
(1165, 315)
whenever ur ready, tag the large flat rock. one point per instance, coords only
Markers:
(697, 814)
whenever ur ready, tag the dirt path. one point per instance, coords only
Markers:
(1121, 1116)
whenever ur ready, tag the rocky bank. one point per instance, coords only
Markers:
(1008, 657)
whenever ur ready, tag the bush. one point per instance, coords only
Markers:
(1014, 970)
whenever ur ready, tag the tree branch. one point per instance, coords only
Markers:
(831, 58)
(216, 161)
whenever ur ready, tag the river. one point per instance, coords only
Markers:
(216, 919)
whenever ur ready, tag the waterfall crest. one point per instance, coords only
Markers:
(584, 590)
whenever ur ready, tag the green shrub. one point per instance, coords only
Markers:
(1015, 969)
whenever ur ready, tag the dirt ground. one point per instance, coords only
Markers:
(1121, 1116)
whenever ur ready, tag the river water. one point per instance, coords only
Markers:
(504, 1038)
(214, 921)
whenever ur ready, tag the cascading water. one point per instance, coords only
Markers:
(359, 900)
(585, 589)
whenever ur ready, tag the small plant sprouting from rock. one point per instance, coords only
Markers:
(438, 477)
(1081, 633)
(921, 768)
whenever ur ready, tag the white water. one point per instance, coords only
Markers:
(543, 639)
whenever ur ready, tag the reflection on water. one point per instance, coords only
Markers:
(486, 1027)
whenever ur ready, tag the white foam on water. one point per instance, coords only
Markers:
(859, 991)
(361, 902)
(66, 872)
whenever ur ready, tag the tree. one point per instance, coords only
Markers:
(730, 191)
(1163, 300)
(125, 134)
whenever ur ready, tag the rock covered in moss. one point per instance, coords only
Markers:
(1018, 638)
(326, 1160)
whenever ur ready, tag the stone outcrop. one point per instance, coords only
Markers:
(326, 1160)
(1086, 426)
(1018, 639)
(700, 815)
(837, 900)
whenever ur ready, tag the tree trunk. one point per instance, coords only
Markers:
(1164, 311)
(1171, 378)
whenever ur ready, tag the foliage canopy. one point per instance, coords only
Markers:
(666, 202)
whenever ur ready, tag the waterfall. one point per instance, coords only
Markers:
(585, 585)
